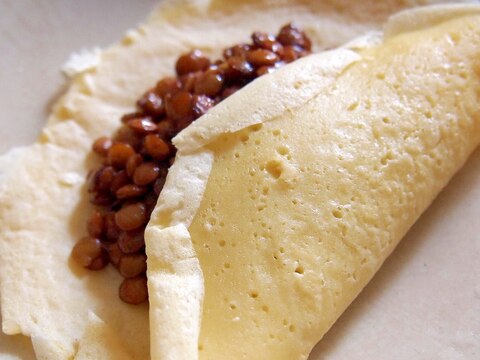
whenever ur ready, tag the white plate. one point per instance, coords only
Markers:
(425, 301)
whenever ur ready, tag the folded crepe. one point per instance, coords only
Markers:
(293, 192)
(68, 311)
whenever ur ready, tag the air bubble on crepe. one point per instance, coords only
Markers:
(274, 168)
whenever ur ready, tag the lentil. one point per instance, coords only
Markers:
(134, 291)
(119, 153)
(132, 265)
(210, 83)
(99, 262)
(114, 253)
(105, 178)
(152, 104)
(146, 173)
(112, 231)
(262, 57)
(119, 180)
(95, 224)
(191, 62)
(142, 126)
(86, 250)
(131, 242)
(132, 163)
(156, 147)
(178, 105)
(130, 191)
(290, 34)
(131, 216)
(127, 136)
(102, 145)
(167, 86)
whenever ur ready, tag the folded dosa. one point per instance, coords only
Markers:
(314, 173)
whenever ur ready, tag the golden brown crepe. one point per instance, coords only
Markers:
(68, 311)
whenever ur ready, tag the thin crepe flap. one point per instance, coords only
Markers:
(175, 286)
(175, 280)
(287, 88)
(427, 16)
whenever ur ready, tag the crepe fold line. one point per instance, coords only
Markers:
(43, 200)
(307, 195)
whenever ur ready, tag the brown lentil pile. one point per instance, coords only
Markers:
(124, 190)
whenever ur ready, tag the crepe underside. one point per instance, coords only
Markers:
(318, 171)
(43, 200)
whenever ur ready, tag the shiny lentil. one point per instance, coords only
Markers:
(132, 265)
(131, 216)
(105, 178)
(127, 136)
(142, 125)
(102, 145)
(114, 253)
(157, 147)
(290, 34)
(167, 86)
(130, 242)
(262, 57)
(86, 250)
(209, 83)
(134, 291)
(120, 179)
(118, 154)
(152, 104)
(178, 105)
(112, 231)
(133, 162)
(130, 191)
(191, 62)
(99, 262)
(201, 104)
(146, 173)
(95, 224)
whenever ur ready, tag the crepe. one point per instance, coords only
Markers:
(315, 173)
(43, 202)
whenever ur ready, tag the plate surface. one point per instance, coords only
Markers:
(425, 301)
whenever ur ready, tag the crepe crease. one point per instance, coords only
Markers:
(68, 311)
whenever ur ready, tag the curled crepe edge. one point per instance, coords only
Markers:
(427, 16)
(82, 61)
(175, 285)
(174, 276)
(263, 100)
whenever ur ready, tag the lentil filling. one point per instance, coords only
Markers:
(135, 161)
